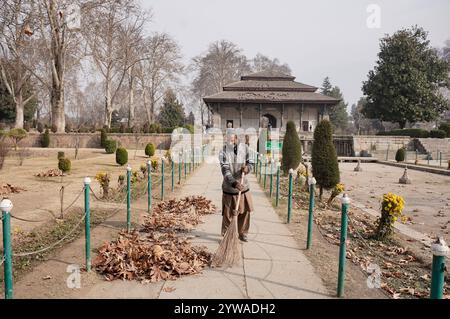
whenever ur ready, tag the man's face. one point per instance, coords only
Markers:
(232, 139)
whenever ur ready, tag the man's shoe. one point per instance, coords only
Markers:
(243, 238)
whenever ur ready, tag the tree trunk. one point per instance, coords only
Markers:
(130, 101)
(320, 193)
(19, 110)
(108, 106)
(58, 116)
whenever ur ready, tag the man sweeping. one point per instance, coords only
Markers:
(235, 161)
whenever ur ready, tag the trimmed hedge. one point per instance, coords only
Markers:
(400, 155)
(45, 142)
(445, 127)
(61, 155)
(150, 149)
(438, 134)
(110, 146)
(121, 156)
(103, 138)
(292, 149)
(411, 132)
(64, 164)
(323, 157)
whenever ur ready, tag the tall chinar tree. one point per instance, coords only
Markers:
(223, 63)
(15, 32)
(112, 29)
(323, 157)
(405, 84)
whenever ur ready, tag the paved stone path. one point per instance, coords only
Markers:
(273, 266)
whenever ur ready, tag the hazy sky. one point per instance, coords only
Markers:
(316, 38)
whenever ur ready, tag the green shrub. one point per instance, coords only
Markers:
(438, 134)
(445, 127)
(411, 132)
(121, 156)
(400, 155)
(292, 149)
(323, 157)
(61, 155)
(154, 128)
(150, 149)
(40, 127)
(189, 127)
(64, 164)
(16, 135)
(103, 138)
(45, 141)
(110, 146)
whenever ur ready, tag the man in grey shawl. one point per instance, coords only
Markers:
(234, 160)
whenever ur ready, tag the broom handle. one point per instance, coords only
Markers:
(239, 195)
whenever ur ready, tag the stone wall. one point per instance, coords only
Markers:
(372, 143)
(92, 140)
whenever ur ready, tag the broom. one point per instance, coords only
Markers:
(228, 253)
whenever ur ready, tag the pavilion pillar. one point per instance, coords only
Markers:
(260, 114)
(240, 115)
(300, 113)
(282, 116)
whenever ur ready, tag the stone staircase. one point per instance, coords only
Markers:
(433, 145)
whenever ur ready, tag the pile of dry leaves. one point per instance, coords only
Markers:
(178, 214)
(6, 189)
(50, 173)
(150, 258)
(163, 254)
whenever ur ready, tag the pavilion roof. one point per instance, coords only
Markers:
(269, 87)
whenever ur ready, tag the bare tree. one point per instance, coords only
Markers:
(223, 63)
(264, 63)
(15, 31)
(158, 69)
(111, 29)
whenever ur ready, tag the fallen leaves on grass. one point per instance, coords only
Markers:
(178, 214)
(6, 189)
(50, 173)
(150, 258)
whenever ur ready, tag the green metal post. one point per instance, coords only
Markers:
(343, 248)
(87, 222)
(260, 170)
(185, 168)
(128, 198)
(440, 159)
(440, 250)
(6, 206)
(149, 186)
(311, 183)
(291, 172)
(162, 179)
(265, 173)
(180, 163)
(271, 179)
(173, 180)
(277, 197)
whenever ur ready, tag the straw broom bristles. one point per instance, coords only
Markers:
(228, 252)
